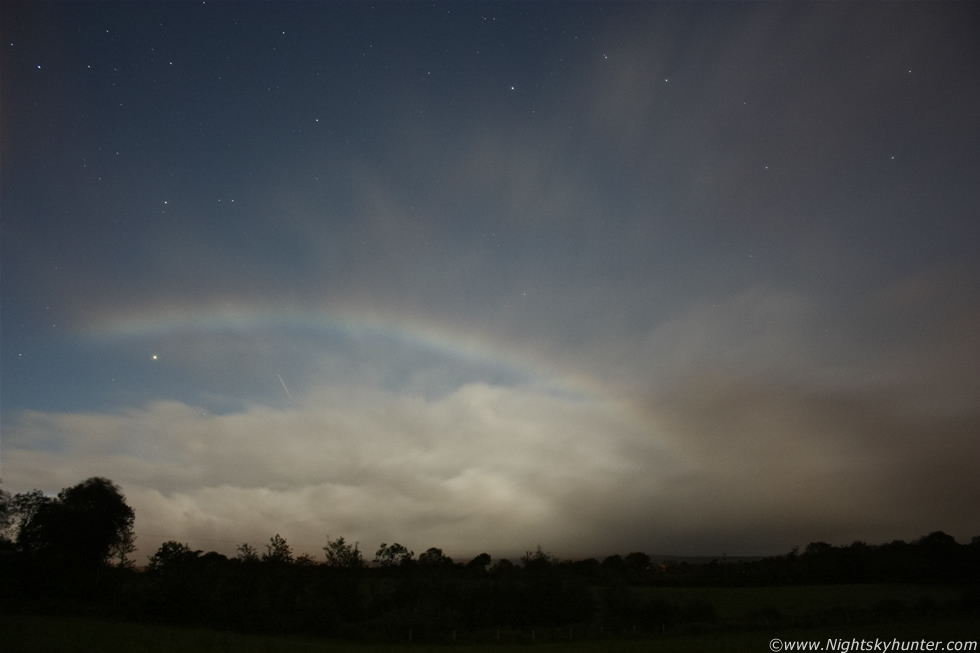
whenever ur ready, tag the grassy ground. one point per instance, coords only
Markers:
(72, 635)
(738, 627)
(737, 603)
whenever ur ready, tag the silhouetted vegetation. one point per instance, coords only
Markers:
(70, 554)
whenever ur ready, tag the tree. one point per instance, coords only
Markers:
(502, 567)
(171, 558)
(637, 561)
(537, 559)
(246, 553)
(479, 563)
(817, 548)
(342, 555)
(103, 521)
(24, 507)
(89, 524)
(277, 551)
(613, 562)
(6, 516)
(391, 555)
(940, 557)
(937, 541)
(433, 557)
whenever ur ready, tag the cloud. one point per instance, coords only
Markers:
(485, 467)
(784, 463)
(716, 463)
(741, 426)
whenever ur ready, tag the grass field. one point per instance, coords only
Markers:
(793, 602)
(72, 635)
(733, 631)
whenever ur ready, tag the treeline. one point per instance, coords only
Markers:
(935, 558)
(72, 553)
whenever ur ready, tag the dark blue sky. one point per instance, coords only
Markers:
(682, 277)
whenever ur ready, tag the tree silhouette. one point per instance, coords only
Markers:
(6, 515)
(390, 555)
(613, 562)
(479, 563)
(278, 551)
(503, 567)
(817, 548)
(246, 553)
(103, 520)
(172, 557)
(342, 555)
(537, 559)
(434, 557)
(88, 525)
(65, 545)
(637, 562)
(24, 508)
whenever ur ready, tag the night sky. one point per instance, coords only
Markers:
(692, 278)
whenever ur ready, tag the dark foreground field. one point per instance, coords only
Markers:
(746, 619)
(31, 634)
